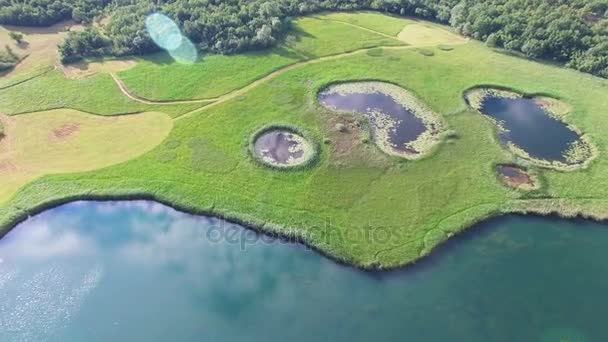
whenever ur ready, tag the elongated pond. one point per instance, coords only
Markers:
(139, 271)
(532, 126)
(400, 124)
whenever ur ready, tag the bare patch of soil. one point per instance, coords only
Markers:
(65, 130)
(516, 177)
(7, 166)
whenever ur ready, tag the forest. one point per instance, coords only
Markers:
(573, 32)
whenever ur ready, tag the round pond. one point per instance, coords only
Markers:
(282, 148)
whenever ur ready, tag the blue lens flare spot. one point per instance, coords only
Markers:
(166, 34)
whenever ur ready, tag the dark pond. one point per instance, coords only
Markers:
(139, 271)
(281, 148)
(527, 125)
(406, 127)
(513, 175)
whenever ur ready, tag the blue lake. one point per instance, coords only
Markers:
(139, 271)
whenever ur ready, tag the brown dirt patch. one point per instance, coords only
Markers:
(65, 130)
(515, 176)
(7, 166)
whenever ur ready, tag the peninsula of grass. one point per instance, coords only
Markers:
(356, 204)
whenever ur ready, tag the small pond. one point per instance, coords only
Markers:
(532, 125)
(515, 176)
(139, 271)
(400, 124)
(282, 148)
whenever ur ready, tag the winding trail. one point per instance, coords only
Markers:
(123, 88)
(211, 102)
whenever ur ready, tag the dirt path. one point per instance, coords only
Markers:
(211, 102)
(363, 28)
(127, 93)
(237, 92)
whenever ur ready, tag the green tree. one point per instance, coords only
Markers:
(16, 36)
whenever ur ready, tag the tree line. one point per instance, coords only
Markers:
(574, 32)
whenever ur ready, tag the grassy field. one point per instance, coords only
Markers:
(98, 94)
(356, 204)
(422, 34)
(67, 140)
(386, 24)
(156, 78)
(314, 37)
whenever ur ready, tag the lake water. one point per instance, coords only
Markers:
(406, 127)
(139, 271)
(530, 127)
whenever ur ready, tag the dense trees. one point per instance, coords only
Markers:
(574, 32)
(48, 12)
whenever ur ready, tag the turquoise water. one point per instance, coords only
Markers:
(138, 271)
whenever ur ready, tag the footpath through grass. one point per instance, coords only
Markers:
(156, 78)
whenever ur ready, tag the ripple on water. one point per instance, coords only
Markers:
(39, 306)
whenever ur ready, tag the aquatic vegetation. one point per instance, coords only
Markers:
(401, 124)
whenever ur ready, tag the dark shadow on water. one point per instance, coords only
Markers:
(479, 230)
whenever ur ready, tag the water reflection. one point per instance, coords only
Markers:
(138, 271)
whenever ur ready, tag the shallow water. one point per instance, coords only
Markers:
(279, 147)
(408, 126)
(530, 127)
(138, 271)
(513, 174)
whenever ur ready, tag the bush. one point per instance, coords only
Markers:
(8, 59)
(16, 36)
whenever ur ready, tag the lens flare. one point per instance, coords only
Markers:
(163, 31)
(186, 53)
(166, 34)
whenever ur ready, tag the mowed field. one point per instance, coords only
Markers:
(67, 140)
(356, 204)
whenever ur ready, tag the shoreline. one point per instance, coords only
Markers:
(478, 226)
